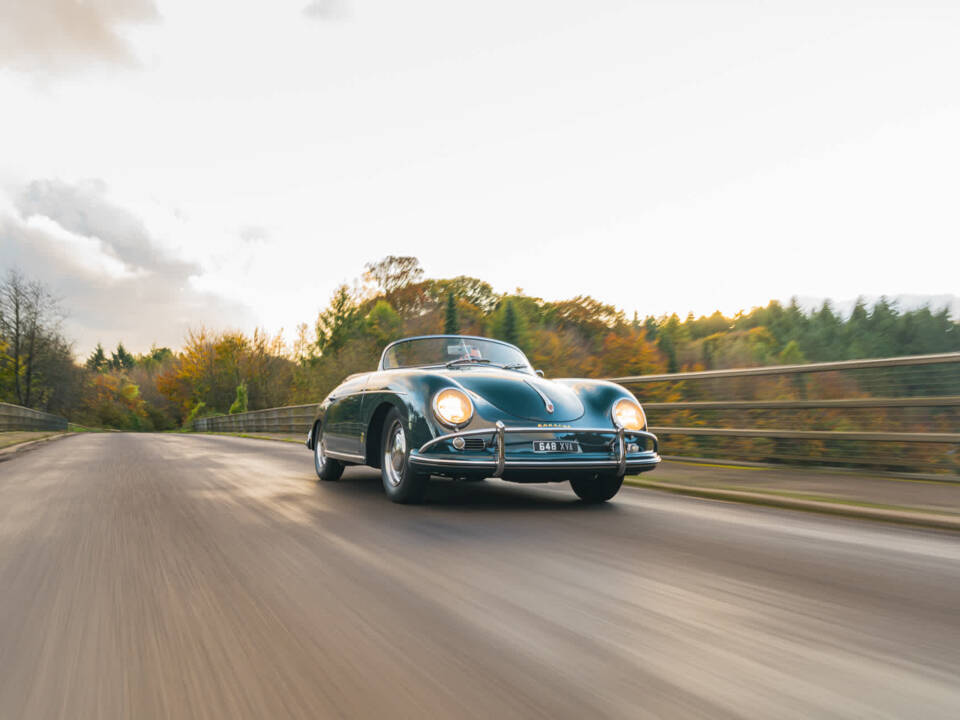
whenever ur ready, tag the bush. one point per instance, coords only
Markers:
(194, 413)
(240, 404)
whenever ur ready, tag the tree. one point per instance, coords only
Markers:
(627, 353)
(113, 401)
(212, 366)
(383, 323)
(671, 334)
(516, 319)
(471, 290)
(451, 322)
(120, 359)
(591, 317)
(155, 358)
(651, 327)
(30, 329)
(511, 329)
(791, 354)
(339, 322)
(97, 362)
(393, 272)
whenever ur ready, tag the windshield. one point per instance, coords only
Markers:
(453, 350)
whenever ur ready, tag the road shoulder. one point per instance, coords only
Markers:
(24, 441)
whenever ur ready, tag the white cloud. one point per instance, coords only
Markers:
(116, 281)
(65, 35)
(87, 252)
(326, 9)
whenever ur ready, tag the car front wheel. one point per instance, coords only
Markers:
(327, 468)
(401, 483)
(597, 489)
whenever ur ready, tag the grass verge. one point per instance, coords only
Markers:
(248, 436)
(797, 501)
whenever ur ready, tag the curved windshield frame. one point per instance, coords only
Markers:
(456, 351)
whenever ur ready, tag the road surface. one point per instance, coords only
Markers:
(175, 576)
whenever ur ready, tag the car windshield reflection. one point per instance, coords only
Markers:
(454, 351)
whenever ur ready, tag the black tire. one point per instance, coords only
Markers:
(401, 483)
(327, 468)
(597, 489)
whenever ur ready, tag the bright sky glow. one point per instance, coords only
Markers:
(661, 156)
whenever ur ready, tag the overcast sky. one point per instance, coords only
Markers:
(172, 163)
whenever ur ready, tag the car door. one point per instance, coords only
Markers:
(343, 424)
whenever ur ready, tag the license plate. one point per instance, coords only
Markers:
(556, 446)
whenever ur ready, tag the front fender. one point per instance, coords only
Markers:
(318, 417)
(411, 395)
(598, 397)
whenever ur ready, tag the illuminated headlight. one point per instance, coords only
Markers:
(452, 407)
(628, 415)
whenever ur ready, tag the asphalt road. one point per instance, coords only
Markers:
(178, 576)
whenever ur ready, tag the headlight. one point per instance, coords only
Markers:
(452, 407)
(628, 414)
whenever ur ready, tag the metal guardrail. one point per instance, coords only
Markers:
(857, 403)
(290, 419)
(907, 360)
(900, 413)
(833, 431)
(15, 417)
(941, 438)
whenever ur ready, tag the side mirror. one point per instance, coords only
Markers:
(539, 372)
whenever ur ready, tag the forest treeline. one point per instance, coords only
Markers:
(221, 371)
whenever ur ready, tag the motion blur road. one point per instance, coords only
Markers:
(186, 576)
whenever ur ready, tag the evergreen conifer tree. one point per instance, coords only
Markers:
(97, 362)
(451, 322)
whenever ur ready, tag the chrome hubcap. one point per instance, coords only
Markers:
(395, 454)
(321, 459)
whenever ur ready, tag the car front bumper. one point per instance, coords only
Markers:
(498, 457)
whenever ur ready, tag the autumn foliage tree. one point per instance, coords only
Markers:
(212, 365)
(577, 337)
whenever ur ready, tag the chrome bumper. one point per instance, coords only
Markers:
(501, 462)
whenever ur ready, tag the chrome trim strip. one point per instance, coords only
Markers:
(546, 400)
(345, 456)
(520, 464)
(367, 392)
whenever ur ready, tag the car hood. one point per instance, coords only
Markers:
(521, 395)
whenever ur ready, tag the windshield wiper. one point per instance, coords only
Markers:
(462, 361)
(515, 366)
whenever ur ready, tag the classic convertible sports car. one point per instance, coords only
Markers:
(471, 408)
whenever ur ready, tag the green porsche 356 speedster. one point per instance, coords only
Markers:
(471, 408)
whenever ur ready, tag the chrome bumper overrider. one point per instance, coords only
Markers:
(501, 462)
